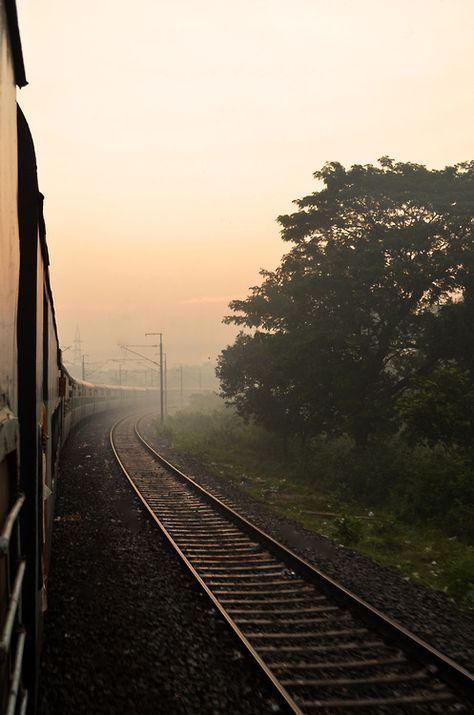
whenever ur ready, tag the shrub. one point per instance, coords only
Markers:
(348, 529)
(389, 531)
(438, 487)
(460, 579)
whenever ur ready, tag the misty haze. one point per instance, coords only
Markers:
(236, 357)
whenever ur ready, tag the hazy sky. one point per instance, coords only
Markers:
(170, 134)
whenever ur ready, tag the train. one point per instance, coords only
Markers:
(40, 402)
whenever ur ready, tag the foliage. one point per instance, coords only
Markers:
(440, 408)
(357, 353)
(348, 319)
(437, 487)
(349, 529)
(460, 578)
(209, 422)
(418, 522)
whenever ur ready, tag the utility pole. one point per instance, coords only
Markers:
(160, 365)
(162, 405)
(181, 385)
(83, 367)
(166, 386)
(162, 411)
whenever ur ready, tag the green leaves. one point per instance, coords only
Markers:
(347, 318)
(440, 408)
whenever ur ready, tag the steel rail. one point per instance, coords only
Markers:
(448, 670)
(456, 674)
(281, 693)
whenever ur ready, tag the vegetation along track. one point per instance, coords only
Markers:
(323, 649)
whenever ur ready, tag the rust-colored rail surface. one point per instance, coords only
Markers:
(323, 649)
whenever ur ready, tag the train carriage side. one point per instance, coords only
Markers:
(51, 422)
(82, 399)
(12, 562)
(33, 344)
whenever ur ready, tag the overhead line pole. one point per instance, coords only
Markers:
(162, 407)
(160, 365)
(166, 386)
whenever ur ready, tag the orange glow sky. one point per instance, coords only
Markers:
(171, 133)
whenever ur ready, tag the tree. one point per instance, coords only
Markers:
(440, 409)
(339, 329)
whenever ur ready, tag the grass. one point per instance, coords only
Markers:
(251, 460)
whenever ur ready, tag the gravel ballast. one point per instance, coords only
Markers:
(429, 614)
(127, 628)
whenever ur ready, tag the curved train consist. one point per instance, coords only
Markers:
(39, 401)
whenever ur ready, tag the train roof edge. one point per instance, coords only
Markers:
(125, 388)
(15, 40)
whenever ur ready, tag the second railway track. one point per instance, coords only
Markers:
(323, 649)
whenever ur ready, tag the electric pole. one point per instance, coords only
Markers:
(166, 385)
(162, 406)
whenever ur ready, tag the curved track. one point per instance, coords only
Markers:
(323, 649)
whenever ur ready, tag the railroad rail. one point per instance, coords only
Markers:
(323, 649)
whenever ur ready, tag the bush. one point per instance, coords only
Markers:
(348, 529)
(437, 487)
(421, 484)
(460, 580)
(390, 532)
(439, 409)
(367, 475)
(210, 426)
(459, 520)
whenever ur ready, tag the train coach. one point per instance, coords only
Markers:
(39, 400)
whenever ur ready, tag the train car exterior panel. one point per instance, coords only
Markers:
(11, 567)
(30, 367)
(9, 248)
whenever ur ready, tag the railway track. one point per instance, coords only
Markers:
(323, 649)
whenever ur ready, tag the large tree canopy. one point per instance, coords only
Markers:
(347, 320)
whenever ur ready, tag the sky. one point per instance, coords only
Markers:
(170, 134)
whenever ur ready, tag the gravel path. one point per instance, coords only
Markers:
(429, 614)
(127, 630)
